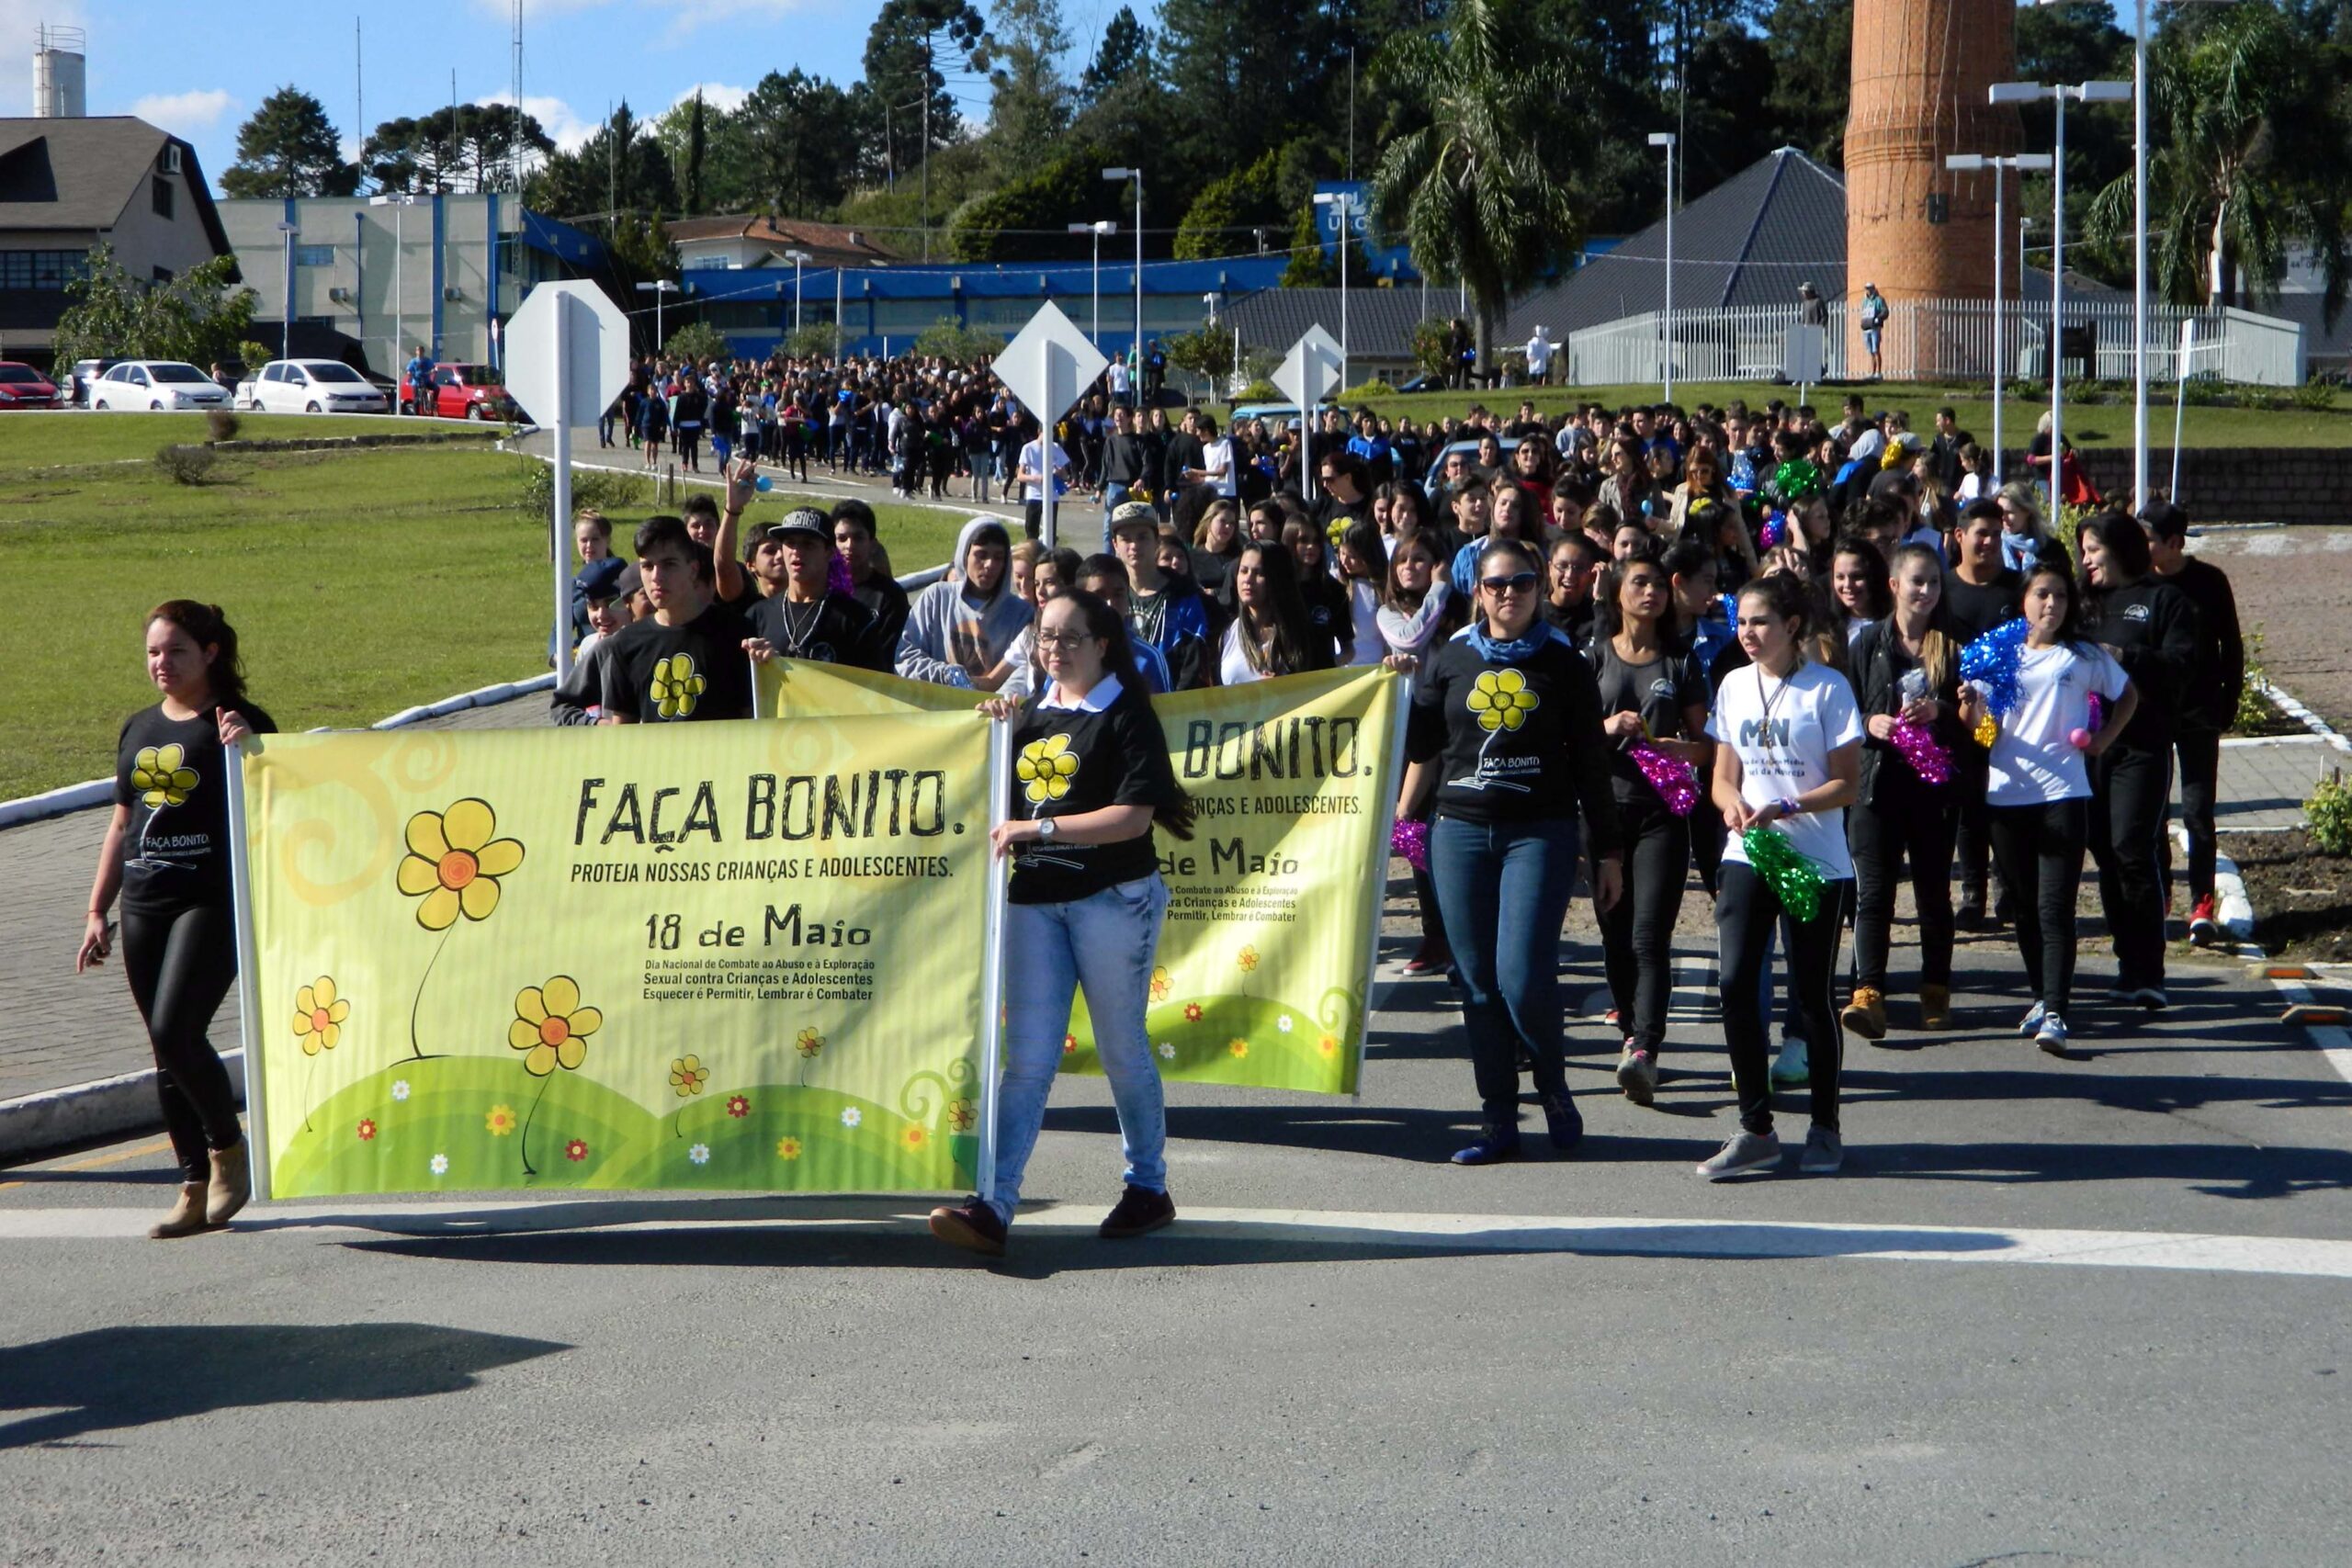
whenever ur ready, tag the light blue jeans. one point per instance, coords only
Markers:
(1103, 946)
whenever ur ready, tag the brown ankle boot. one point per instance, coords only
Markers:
(186, 1217)
(1935, 1006)
(1866, 1014)
(232, 1184)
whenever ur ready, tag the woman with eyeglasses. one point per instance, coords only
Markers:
(1505, 732)
(167, 854)
(1083, 911)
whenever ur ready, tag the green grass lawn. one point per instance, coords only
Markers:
(361, 582)
(2088, 424)
(36, 438)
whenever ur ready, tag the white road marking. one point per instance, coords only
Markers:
(1592, 1236)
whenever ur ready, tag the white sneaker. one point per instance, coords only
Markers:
(1792, 1065)
(2032, 1019)
(2053, 1038)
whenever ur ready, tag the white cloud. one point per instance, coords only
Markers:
(568, 128)
(181, 113)
(686, 17)
(715, 94)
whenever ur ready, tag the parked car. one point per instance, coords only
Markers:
(82, 376)
(22, 386)
(156, 384)
(313, 386)
(463, 391)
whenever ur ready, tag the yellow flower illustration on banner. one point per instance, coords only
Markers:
(1239, 1048)
(159, 777)
(808, 1043)
(687, 1074)
(1246, 958)
(1159, 983)
(914, 1138)
(318, 1016)
(1501, 700)
(787, 1148)
(962, 1114)
(1329, 1045)
(552, 1026)
(1045, 767)
(500, 1121)
(454, 862)
(676, 687)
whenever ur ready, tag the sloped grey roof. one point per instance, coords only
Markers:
(1380, 321)
(81, 174)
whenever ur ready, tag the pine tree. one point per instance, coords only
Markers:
(289, 149)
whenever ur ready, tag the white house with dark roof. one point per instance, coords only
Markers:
(66, 187)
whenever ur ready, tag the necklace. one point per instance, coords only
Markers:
(796, 631)
(1764, 730)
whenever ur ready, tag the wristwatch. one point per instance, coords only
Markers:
(1044, 830)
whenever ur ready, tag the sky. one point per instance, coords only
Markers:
(197, 71)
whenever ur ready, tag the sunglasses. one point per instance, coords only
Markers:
(1519, 582)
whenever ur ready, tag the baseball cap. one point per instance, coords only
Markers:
(1134, 514)
(602, 579)
(802, 520)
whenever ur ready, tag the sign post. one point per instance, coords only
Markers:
(1047, 365)
(1802, 352)
(566, 360)
(1309, 372)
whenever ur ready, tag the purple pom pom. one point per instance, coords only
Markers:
(1411, 840)
(837, 576)
(1675, 780)
(1775, 533)
(1927, 757)
(2098, 715)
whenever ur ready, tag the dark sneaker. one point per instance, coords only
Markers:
(1492, 1146)
(1824, 1151)
(1565, 1122)
(1138, 1211)
(972, 1225)
(1747, 1152)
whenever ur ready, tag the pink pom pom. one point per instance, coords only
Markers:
(1411, 840)
(1676, 782)
(1927, 756)
(2079, 740)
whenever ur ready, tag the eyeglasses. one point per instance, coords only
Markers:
(1519, 582)
(1062, 639)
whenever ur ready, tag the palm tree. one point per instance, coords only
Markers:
(1471, 190)
(2249, 155)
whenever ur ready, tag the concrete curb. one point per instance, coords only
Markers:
(2286, 703)
(2230, 902)
(87, 1112)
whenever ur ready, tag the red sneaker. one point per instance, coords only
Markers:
(2204, 926)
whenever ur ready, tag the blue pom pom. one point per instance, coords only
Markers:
(1992, 662)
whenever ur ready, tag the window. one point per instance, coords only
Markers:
(273, 372)
(162, 275)
(46, 270)
(314, 255)
(161, 189)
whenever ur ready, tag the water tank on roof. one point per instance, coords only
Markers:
(61, 71)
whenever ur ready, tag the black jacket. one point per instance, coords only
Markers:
(2218, 676)
(2151, 626)
(1878, 663)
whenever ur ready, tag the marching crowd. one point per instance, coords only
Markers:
(1804, 663)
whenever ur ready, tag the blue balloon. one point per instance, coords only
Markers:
(764, 484)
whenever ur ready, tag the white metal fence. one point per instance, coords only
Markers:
(1942, 340)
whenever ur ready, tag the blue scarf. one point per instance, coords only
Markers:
(1520, 650)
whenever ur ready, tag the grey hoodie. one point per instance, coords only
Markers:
(948, 632)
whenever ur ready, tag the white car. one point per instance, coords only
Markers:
(314, 386)
(156, 384)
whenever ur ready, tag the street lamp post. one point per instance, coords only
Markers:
(1666, 138)
(400, 202)
(1098, 230)
(1137, 176)
(2058, 93)
(798, 260)
(659, 288)
(1342, 205)
(1967, 163)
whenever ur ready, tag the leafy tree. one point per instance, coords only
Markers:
(1472, 190)
(1217, 224)
(201, 316)
(1028, 218)
(782, 148)
(909, 50)
(1309, 268)
(944, 339)
(469, 147)
(289, 149)
(1030, 104)
(697, 340)
(619, 169)
(1811, 46)
(1125, 49)
(697, 150)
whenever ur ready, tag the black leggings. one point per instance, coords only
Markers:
(2040, 850)
(179, 967)
(1637, 932)
(1745, 911)
(2130, 787)
(1915, 825)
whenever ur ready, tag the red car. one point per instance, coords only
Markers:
(22, 386)
(463, 391)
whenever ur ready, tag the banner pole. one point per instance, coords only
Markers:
(559, 519)
(1380, 855)
(992, 960)
(249, 1031)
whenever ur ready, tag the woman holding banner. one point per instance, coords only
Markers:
(1506, 728)
(166, 853)
(1084, 908)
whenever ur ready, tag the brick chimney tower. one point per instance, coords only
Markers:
(1921, 68)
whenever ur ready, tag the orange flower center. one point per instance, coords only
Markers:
(318, 1020)
(459, 868)
(555, 1032)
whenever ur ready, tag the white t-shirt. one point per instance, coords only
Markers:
(1782, 733)
(2033, 762)
(1032, 458)
(1118, 378)
(1233, 667)
(1538, 356)
(1219, 455)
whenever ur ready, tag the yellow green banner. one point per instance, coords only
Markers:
(1266, 956)
(713, 956)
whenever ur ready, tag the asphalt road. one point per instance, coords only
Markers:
(2090, 1311)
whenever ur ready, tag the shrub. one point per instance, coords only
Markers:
(944, 339)
(2329, 811)
(697, 340)
(609, 493)
(2265, 399)
(1258, 391)
(2315, 397)
(185, 465)
(1375, 387)
(2254, 708)
(220, 424)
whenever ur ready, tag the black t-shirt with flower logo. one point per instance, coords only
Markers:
(174, 776)
(661, 674)
(1515, 742)
(1067, 761)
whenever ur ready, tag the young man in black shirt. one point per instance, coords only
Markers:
(2209, 706)
(855, 538)
(807, 620)
(685, 662)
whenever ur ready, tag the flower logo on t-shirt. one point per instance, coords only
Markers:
(1501, 700)
(676, 687)
(1045, 767)
(156, 772)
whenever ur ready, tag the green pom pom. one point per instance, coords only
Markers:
(1794, 877)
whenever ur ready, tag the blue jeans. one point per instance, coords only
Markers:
(1102, 944)
(1503, 889)
(1113, 496)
